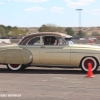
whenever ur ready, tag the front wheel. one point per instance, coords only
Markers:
(15, 67)
(86, 61)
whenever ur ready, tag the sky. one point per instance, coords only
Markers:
(35, 13)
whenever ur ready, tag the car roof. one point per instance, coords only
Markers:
(50, 33)
(28, 37)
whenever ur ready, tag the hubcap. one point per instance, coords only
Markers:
(87, 62)
(14, 65)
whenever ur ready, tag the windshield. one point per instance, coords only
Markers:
(69, 41)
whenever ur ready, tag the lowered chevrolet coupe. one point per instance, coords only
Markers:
(49, 49)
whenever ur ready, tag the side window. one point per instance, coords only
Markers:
(53, 40)
(34, 41)
(60, 41)
(49, 40)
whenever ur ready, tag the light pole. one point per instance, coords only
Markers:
(79, 20)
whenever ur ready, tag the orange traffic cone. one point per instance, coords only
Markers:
(89, 72)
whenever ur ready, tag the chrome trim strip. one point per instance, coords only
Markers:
(57, 52)
(73, 52)
(85, 52)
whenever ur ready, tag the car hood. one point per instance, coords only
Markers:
(85, 48)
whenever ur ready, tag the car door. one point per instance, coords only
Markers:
(55, 54)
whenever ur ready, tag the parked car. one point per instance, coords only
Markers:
(49, 49)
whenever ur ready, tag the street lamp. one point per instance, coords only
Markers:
(79, 20)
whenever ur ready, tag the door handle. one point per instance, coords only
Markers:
(43, 46)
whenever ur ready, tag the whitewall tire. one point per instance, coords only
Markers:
(14, 67)
(86, 61)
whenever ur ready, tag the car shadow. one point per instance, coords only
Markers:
(46, 71)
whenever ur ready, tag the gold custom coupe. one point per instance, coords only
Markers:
(49, 49)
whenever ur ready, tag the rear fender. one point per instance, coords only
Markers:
(15, 56)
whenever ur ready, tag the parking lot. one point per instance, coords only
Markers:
(36, 83)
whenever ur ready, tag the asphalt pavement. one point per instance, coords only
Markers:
(37, 83)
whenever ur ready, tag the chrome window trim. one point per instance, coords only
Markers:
(41, 40)
(20, 40)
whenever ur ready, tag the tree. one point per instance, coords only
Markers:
(2, 31)
(69, 31)
(9, 27)
(81, 34)
(50, 28)
(6, 31)
(43, 28)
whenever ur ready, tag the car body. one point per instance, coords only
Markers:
(49, 49)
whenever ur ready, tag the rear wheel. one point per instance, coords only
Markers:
(86, 61)
(15, 67)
